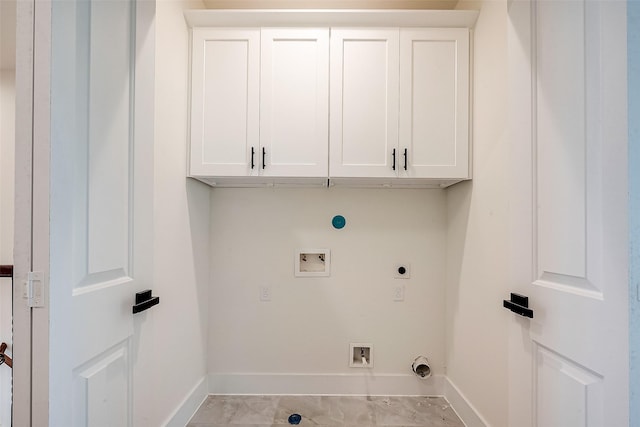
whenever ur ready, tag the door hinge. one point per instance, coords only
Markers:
(33, 289)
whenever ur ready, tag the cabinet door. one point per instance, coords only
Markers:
(364, 102)
(224, 101)
(434, 103)
(294, 102)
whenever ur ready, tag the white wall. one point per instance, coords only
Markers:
(181, 227)
(307, 326)
(456, 241)
(7, 148)
(477, 234)
(7, 142)
(7, 145)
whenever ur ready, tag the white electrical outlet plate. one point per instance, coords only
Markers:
(402, 271)
(398, 293)
(265, 293)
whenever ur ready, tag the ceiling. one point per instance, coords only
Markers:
(8, 13)
(330, 4)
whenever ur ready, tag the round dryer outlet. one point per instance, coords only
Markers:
(402, 271)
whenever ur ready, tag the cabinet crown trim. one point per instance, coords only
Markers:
(331, 18)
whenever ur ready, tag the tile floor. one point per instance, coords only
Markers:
(325, 411)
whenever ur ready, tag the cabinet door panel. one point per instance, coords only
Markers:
(224, 104)
(364, 102)
(295, 102)
(434, 102)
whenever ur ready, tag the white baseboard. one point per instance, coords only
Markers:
(365, 384)
(465, 410)
(189, 405)
(331, 384)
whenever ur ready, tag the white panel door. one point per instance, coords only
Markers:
(100, 208)
(569, 364)
(294, 102)
(434, 103)
(364, 103)
(225, 102)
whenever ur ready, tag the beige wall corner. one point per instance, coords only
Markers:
(478, 230)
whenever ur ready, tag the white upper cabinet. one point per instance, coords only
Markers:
(259, 105)
(294, 103)
(373, 98)
(434, 103)
(225, 115)
(400, 104)
(364, 102)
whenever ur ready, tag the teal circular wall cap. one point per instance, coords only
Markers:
(338, 222)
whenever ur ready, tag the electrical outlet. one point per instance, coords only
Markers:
(265, 293)
(398, 293)
(402, 271)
